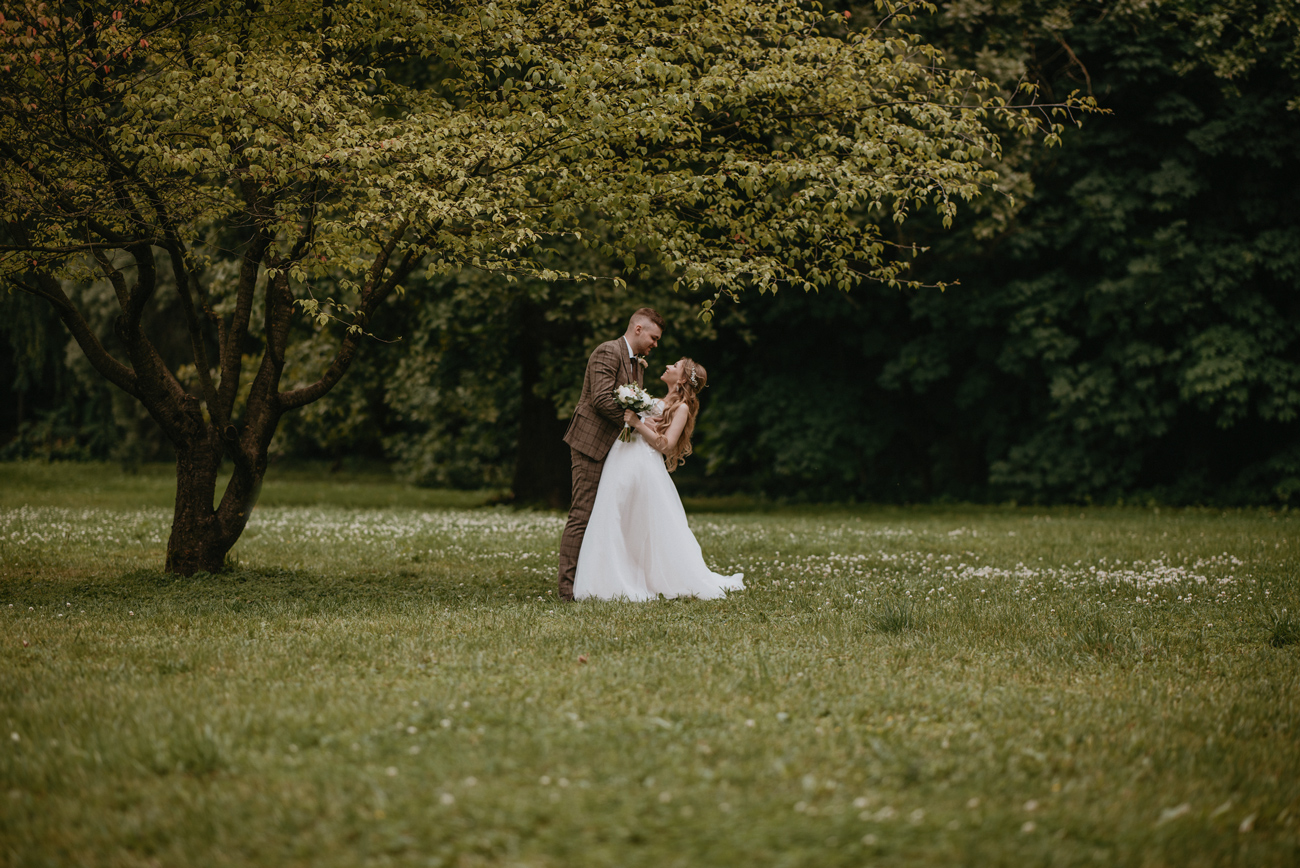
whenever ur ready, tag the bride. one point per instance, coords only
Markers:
(638, 544)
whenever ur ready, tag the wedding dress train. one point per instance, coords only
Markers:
(638, 544)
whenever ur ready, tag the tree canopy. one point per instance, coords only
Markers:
(264, 159)
(1125, 329)
(1130, 331)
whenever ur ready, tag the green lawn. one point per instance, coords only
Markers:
(383, 678)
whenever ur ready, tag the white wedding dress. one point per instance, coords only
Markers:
(638, 544)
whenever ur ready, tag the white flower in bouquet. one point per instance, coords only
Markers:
(632, 397)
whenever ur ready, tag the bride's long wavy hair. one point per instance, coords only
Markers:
(684, 392)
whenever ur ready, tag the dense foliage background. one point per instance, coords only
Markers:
(1127, 326)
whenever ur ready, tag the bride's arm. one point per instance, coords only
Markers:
(665, 441)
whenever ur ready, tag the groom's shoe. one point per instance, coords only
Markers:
(565, 591)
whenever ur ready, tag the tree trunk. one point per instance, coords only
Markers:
(542, 463)
(198, 543)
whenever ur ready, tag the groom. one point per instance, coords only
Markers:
(596, 424)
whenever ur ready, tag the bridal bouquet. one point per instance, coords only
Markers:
(632, 397)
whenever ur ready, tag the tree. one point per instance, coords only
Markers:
(305, 157)
(1130, 331)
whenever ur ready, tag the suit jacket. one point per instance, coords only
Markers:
(597, 420)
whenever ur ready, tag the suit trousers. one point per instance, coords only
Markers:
(586, 479)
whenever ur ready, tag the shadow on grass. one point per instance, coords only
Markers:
(242, 589)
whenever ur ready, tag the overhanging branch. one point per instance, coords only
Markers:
(374, 293)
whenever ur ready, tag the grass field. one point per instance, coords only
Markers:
(382, 678)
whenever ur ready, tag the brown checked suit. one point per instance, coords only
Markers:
(595, 426)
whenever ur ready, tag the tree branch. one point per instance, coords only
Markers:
(184, 278)
(385, 254)
(231, 362)
(110, 368)
(115, 278)
(371, 298)
(1075, 59)
(87, 247)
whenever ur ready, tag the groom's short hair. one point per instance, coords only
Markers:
(647, 313)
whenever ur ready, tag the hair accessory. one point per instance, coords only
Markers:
(694, 382)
